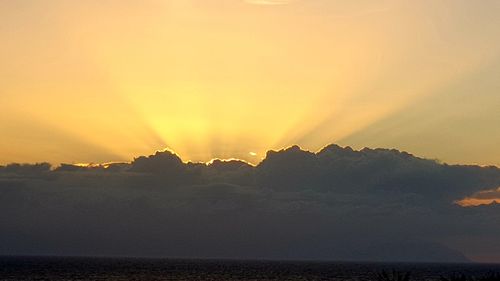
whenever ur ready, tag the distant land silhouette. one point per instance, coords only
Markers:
(336, 204)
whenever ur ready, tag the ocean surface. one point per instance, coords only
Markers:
(57, 268)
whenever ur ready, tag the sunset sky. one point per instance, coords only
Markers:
(108, 80)
(106, 102)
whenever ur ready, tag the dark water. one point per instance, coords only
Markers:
(44, 268)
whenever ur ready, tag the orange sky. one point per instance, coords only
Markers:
(107, 80)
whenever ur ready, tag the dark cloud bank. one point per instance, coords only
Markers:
(337, 204)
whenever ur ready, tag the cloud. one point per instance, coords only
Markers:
(484, 197)
(338, 203)
(269, 2)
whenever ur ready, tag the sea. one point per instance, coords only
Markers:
(150, 269)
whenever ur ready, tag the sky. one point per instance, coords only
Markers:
(99, 81)
(149, 86)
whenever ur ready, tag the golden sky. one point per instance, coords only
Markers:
(107, 80)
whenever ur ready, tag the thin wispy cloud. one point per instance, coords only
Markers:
(269, 2)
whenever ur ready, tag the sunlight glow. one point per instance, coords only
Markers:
(485, 197)
(472, 202)
(109, 81)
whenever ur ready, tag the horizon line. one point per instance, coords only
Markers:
(210, 162)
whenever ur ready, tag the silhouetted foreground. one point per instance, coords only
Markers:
(125, 269)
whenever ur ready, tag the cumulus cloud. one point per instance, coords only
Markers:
(338, 203)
